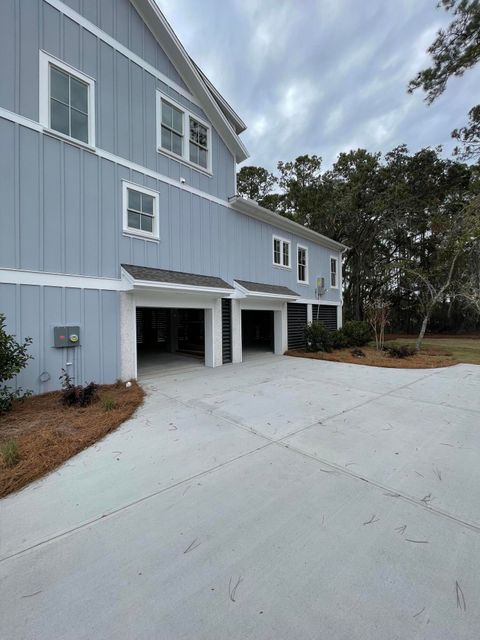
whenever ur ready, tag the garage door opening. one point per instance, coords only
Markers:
(169, 339)
(257, 332)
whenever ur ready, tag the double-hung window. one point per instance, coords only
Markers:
(198, 143)
(172, 128)
(281, 252)
(183, 134)
(67, 101)
(140, 210)
(302, 264)
(334, 272)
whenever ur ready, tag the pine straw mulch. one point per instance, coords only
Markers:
(426, 359)
(47, 433)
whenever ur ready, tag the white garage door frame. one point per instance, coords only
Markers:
(280, 334)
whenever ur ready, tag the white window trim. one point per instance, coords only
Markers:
(282, 242)
(306, 281)
(129, 231)
(335, 286)
(45, 61)
(187, 114)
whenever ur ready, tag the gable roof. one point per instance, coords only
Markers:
(217, 109)
(164, 276)
(259, 287)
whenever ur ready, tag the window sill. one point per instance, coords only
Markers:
(184, 161)
(64, 138)
(281, 266)
(303, 283)
(142, 236)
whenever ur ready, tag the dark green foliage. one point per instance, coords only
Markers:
(340, 340)
(14, 357)
(255, 183)
(400, 351)
(357, 332)
(454, 50)
(318, 337)
(469, 136)
(77, 395)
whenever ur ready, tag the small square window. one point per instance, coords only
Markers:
(140, 210)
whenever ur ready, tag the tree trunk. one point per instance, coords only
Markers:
(422, 331)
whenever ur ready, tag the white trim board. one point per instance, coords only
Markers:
(45, 279)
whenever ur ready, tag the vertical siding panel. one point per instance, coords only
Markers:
(51, 30)
(28, 62)
(122, 94)
(71, 34)
(107, 8)
(137, 122)
(52, 228)
(7, 190)
(109, 227)
(89, 47)
(29, 218)
(105, 92)
(110, 335)
(122, 22)
(136, 32)
(90, 214)
(90, 10)
(7, 53)
(73, 316)
(52, 359)
(30, 327)
(72, 210)
(92, 343)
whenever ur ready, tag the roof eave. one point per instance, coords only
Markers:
(253, 209)
(165, 35)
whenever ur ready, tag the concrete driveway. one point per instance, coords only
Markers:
(278, 499)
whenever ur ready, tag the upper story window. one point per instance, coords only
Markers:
(198, 143)
(302, 264)
(334, 272)
(174, 121)
(140, 210)
(67, 100)
(281, 252)
(172, 128)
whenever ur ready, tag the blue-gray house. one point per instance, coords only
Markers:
(121, 234)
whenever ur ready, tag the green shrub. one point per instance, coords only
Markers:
(77, 395)
(318, 337)
(109, 404)
(14, 357)
(357, 332)
(10, 453)
(340, 340)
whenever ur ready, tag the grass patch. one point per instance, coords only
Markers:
(40, 433)
(459, 348)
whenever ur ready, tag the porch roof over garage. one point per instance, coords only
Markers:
(259, 289)
(149, 277)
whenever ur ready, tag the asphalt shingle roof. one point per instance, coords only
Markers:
(258, 287)
(150, 274)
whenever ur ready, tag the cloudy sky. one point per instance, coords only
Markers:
(323, 76)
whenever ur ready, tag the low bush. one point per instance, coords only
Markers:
(14, 357)
(10, 453)
(77, 395)
(358, 353)
(400, 351)
(357, 332)
(340, 340)
(318, 337)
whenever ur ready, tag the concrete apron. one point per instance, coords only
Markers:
(280, 498)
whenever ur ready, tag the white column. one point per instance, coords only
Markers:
(309, 313)
(339, 316)
(236, 331)
(280, 320)
(213, 335)
(128, 337)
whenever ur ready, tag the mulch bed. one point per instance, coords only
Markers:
(426, 359)
(48, 433)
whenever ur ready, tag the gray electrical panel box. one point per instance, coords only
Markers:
(66, 336)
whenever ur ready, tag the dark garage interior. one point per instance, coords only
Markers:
(257, 330)
(169, 336)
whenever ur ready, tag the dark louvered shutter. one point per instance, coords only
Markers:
(297, 319)
(325, 313)
(226, 330)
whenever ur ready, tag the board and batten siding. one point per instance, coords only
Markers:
(33, 311)
(125, 93)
